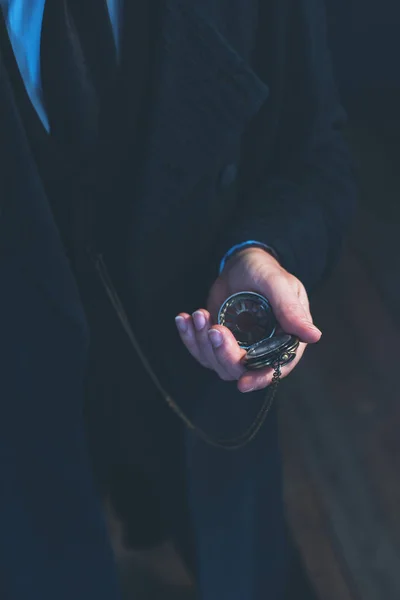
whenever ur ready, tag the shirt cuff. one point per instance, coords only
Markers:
(241, 246)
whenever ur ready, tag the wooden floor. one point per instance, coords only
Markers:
(340, 415)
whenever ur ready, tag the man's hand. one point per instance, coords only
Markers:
(214, 346)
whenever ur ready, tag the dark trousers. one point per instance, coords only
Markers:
(224, 509)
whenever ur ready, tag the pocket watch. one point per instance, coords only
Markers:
(250, 318)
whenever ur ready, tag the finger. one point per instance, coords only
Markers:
(228, 354)
(202, 323)
(187, 334)
(292, 312)
(305, 302)
(210, 347)
(252, 381)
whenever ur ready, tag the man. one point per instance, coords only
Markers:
(156, 158)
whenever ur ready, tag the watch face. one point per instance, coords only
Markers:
(249, 317)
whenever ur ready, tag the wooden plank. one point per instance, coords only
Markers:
(308, 522)
(369, 393)
(355, 520)
(339, 405)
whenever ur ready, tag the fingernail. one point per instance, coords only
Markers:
(199, 320)
(216, 338)
(181, 324)
(248, 390)
(311, 325)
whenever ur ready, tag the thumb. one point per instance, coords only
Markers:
(291, 314)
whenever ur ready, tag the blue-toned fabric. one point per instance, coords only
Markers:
(115, 11)
(24, 25)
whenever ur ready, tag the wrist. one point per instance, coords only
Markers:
(250, 252)
(249, 245)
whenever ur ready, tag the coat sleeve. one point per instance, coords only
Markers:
(297, 192)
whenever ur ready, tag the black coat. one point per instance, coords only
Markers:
(240, 141)
(243, 142)
(246, 98)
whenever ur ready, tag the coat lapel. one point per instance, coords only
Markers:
(204, 94)
(28, 233)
